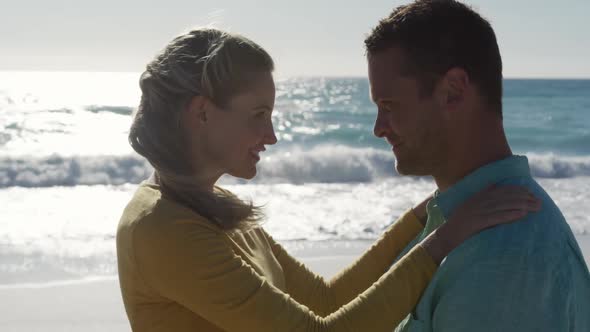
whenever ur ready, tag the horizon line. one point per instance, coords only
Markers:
(280, 77)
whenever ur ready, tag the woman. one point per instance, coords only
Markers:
(192, 256)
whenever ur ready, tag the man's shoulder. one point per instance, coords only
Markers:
(541, 234)
(546, 224)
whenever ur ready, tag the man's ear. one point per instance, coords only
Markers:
(455, 83)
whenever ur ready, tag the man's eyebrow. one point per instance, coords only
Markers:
(385, 101)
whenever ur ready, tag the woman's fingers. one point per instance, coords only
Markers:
(503, 217)
(502, 197)
(511, 203)
(496, 205)
(508, 213)
(504, 192)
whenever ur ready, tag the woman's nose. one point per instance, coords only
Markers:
(270, 138)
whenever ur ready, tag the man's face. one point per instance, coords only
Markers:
(412, 123)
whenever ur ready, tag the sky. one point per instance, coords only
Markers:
(537, 38)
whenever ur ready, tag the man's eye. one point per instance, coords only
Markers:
(389, 106)
(386, 107)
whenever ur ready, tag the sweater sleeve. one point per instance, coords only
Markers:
(195, 266)
(324, 296)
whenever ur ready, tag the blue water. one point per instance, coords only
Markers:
(51, 135)
(540, 115)
(67, 171)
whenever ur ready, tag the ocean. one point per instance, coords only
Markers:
(67, 171)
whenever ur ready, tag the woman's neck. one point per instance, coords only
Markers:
(195, 183)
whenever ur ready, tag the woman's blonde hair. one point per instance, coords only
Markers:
(203, 62)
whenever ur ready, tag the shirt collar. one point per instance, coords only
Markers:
(483, 177)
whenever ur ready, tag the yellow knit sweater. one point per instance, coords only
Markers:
(178, 272)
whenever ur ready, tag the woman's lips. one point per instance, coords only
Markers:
(255, 154)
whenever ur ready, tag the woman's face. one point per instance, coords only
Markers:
(235, 136)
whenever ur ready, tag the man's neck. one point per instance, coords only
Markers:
(476, 148)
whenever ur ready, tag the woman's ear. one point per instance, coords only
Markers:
(196, 110)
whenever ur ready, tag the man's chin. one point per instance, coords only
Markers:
(406, 169)
(401, 170)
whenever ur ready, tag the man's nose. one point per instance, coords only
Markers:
(381, 125)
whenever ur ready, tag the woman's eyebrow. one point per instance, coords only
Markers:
(386, 101)
(263, 107)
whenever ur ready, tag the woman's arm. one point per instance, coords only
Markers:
(324, 296)
(490, 207)
(196, 267)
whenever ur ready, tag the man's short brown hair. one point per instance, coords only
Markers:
(437, 35)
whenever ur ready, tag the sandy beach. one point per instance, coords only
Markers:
(97, 306)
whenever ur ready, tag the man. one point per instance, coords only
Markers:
(436, 76)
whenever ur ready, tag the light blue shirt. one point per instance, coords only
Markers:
(526, 276)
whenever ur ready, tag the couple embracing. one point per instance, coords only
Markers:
(487, 251)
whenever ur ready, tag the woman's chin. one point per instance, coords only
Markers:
(246, 174)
